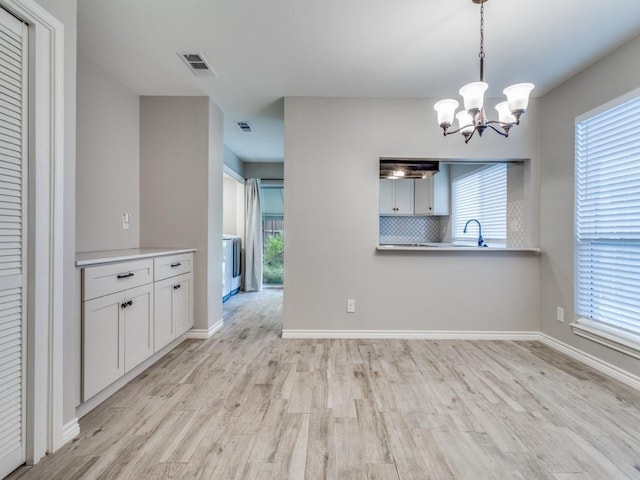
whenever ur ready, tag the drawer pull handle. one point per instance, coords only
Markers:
(176, 287)
(125, 275)
(126, 304)
(177, 264)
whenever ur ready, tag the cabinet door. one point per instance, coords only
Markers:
(163, 329)
(387, 197)
(182, 303)
(404, 196)
(432, 194)
(138, 325)
(102, 339)
(441, 189)
(424, 196)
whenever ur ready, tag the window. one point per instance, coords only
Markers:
(607, 227)
(481, 194)
(272, 232)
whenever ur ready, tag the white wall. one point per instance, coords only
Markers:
(181, 158)
(265, 170)
(108, 165)
(233, 206)
(611, 77)
(332, 150)
(232, 161)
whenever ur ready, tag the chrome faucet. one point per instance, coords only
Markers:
(480, 239)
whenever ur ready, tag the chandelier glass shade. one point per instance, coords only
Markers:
(472, 118)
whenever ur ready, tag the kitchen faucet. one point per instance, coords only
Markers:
(480, 239)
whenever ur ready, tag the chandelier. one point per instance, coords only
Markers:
(473, 119)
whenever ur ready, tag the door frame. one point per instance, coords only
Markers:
(45, 277)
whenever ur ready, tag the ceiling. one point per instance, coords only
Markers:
(264, 50)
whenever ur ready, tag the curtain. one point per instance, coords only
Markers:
(253, 232)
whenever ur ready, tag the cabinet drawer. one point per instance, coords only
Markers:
(105, 279)
(172, 265)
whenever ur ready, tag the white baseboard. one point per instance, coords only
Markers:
(203, 334)
(410, 334)
(594, 362)
(70, 431)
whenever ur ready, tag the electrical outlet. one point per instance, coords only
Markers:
(351, 306)
(560, 314)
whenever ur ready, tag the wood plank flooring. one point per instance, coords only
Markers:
(246, 404)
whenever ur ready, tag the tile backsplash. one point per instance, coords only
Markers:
(409, 229)
(419, 229)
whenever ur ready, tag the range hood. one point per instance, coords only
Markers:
(408, 167)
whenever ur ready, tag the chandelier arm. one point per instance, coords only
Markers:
(504, 134)
(447, 132)
(502, 124)
(467, 136)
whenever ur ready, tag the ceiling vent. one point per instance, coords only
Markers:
(244, 127)
(197, 64)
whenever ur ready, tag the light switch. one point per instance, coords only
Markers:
(126, 219)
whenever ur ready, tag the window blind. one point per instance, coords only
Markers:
(481, 195)
(607, 226)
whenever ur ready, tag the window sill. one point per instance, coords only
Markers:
(626, 343)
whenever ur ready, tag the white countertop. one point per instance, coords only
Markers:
(85, 259)
(451, 248)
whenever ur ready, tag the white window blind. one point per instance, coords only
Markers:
(607, 226)
(481, 195)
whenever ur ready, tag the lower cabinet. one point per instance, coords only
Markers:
(138, 326)
(129, 313)
(102, 346)
(173, 309)
(118, 335)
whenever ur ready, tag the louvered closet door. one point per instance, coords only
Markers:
(13, 176)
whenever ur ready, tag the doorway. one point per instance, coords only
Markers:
(272, 192)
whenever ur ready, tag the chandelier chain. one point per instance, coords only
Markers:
(481, 54)
(481, 30)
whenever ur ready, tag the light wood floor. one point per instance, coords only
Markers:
(246, 404)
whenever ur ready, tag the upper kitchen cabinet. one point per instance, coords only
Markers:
(396, 197)
(432, 194)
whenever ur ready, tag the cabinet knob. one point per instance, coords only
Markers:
(176, 287)
(125, 275)
(126, 304)
(177, 264)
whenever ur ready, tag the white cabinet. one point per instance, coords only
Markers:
(172, 265)
(396, 197)
(103, 337)
(182, 307)
(137, 313)
(127, 316)
(432, 194)
(173, 299)
(117, 336)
